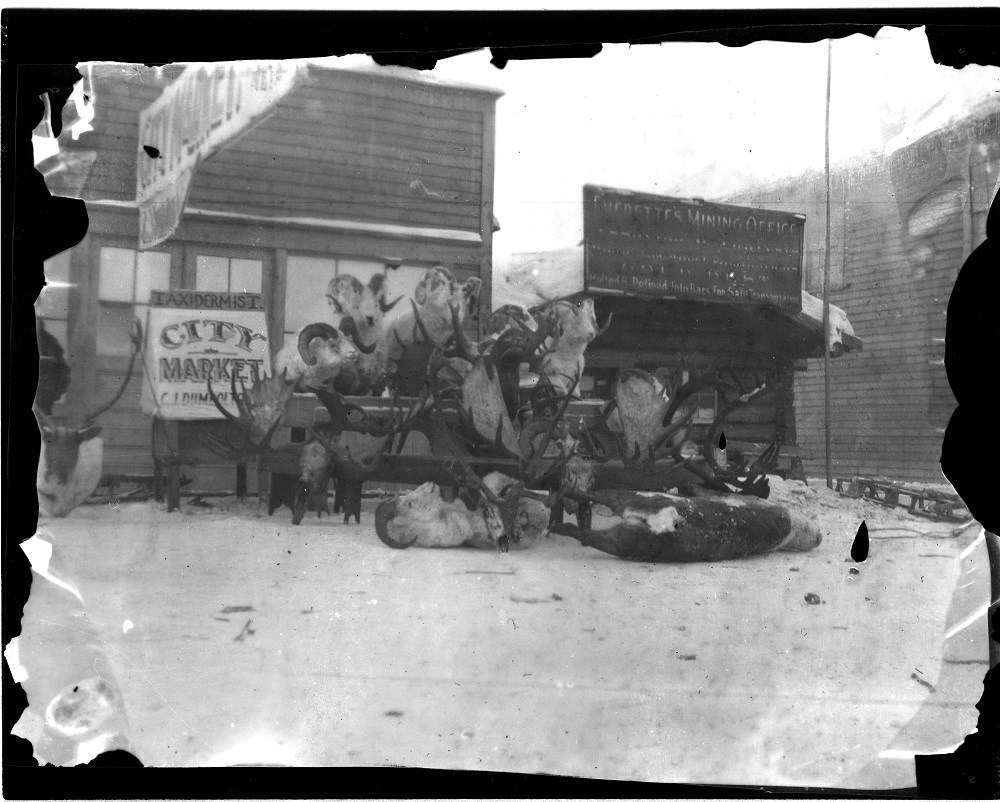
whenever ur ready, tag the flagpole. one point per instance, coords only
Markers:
(826, 280)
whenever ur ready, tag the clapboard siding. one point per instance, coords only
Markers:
(125, 427)
(426, 161)
(384, 143)
(887, 402)
(345, 146)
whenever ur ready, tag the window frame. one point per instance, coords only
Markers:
(388, 266)
(93, 289)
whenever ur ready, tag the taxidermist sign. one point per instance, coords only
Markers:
(206, 107)
(196, 336)
(652, 245)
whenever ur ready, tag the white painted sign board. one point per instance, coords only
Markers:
(194, 336)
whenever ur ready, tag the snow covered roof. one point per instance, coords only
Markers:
(365, 64)
(532, 278)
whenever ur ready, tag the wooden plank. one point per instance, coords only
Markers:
(401, 140)
(393, 214)
(119, 133)
(390, 93)
(316, 195)
(487, 216)
(341, 167)
(288, 152)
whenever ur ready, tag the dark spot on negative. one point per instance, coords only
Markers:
(722, 441)
(859, 549)
(812, 598)
(152, 152)
(394, 713)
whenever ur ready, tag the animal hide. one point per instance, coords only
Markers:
(56, 499)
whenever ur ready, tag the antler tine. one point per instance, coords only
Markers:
(136, 347)
(400, 340)
(736, 379)
(607, 325)
(218, 404)
(674, 427)
(419, 324)
(464, 349)
(539, 453)
(238, 399)
(595, 451)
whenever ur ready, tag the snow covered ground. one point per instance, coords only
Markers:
(237, 637)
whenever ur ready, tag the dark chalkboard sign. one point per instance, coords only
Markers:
(652, 245)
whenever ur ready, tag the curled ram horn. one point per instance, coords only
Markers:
(350, 329)
(310, 333)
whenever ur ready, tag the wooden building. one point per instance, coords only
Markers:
(902, 227)
(354, 171)
(664, 325)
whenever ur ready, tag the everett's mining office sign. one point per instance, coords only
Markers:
(652, 245)
(192, 337)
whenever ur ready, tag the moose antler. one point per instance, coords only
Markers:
(135, 338)
(357, 469)
(261, 410)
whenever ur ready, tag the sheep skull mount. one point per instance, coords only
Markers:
(261, 410)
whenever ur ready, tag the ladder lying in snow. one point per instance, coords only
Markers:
(919, 501)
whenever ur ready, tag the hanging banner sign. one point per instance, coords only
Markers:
(205, 108)
(652, 245)
(194, 336)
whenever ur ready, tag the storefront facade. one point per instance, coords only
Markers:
(354, 172)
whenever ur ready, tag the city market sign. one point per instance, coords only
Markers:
(639, 244)
(196, 336)
(205, 108)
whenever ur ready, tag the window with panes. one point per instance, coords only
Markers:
(125, 280)
(228, 274)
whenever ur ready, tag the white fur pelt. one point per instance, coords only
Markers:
(57, 500)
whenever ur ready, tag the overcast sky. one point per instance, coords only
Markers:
(694, 119)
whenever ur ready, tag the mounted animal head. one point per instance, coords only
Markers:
(320, 344)
(62, 443)
(365, 303)
(510, 316)
(437, 288)
(576, 320)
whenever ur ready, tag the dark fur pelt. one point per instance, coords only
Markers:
(53, 372)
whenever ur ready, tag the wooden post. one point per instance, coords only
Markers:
(241, 481)
(826, 281)
(263, 486)
(172, 433)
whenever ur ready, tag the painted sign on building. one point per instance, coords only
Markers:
(194, 336)
(206, 107)
(652, 245)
